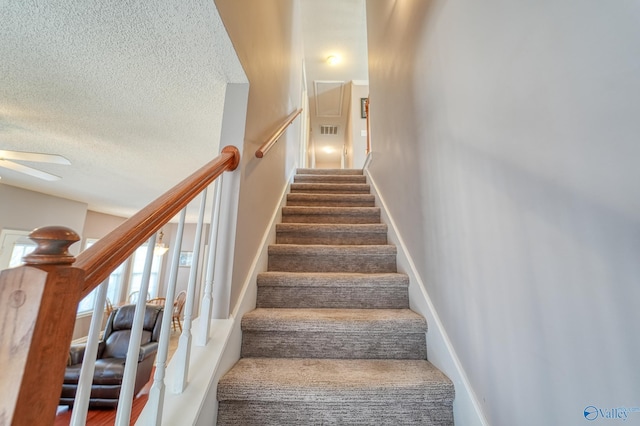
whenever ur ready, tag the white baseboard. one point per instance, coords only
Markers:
(440, 351)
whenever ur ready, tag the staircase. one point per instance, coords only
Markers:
(333, 340)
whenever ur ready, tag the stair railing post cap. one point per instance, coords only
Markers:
(53, 246)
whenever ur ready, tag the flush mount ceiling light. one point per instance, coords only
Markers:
(333, 59)
(328, 149)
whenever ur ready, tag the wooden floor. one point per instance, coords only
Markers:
(107, 417)
(104, 417)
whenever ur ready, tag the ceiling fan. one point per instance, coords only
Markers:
(8, 158)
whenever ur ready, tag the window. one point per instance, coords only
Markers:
(114, 285)
(139, 258)
(19, 251)
(14, 245)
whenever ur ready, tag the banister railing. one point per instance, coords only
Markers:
(99, 260)
(265, 147)
(38, 301)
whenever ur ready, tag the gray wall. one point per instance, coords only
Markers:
(505, 143)
(266, 36)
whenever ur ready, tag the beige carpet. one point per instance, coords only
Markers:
(333, 341)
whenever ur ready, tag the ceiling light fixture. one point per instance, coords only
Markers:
(328, 149)
(333, 60)
(161, 248)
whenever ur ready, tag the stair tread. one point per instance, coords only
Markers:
(331, 279)
(329, 380)
(308, 171)
(400, 321)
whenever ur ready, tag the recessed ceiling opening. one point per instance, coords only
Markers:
(329, 98)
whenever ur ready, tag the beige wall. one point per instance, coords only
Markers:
(505, 142)
(358, 141)
(266, 36)
(97, 225)
(26, 210)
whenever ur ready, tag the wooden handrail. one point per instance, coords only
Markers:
(99, 260)
(265, 147)
(366, 109)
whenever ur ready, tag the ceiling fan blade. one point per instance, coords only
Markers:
(33, 156)
(28, 170)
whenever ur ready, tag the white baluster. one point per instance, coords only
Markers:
(183, 353)
(226, 244)
(156, 393)
(83, 393)
(205, 309)
(125, 401)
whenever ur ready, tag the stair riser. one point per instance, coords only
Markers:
(321, 188)
(330, 179)
(333, 345)
(325, 191)
(331, 218)
(333, 297)
(390, 412)
(310, 202)
(332, 263)
(332, 238)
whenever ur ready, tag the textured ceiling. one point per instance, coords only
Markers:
(130, 92)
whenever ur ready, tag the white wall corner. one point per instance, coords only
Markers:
(440, 351)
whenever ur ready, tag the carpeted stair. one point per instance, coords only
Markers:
(332, 340)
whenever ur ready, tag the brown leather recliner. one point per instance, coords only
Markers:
(112, 352)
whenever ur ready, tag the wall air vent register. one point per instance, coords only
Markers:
(328, 129)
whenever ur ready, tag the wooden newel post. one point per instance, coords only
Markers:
(38, 304)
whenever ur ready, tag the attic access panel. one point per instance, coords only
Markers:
(329, 96)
